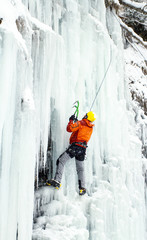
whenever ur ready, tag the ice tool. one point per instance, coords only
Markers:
(76, 105)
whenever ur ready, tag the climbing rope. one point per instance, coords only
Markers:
(102, 79)
(109, 65)
(77, 102)
(132, 44)
(137, 49)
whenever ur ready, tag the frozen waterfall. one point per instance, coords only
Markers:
(53, 53)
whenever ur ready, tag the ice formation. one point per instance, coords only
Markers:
(52, 54)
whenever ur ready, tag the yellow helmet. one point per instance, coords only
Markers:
(91, 116)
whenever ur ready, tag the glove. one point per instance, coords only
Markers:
(73, 118)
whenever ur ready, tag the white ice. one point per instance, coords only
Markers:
(54, 54)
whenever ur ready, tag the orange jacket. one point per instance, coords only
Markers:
(81, 130)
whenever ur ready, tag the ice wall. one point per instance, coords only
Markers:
(52, 54)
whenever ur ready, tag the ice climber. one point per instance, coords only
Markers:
(81, 134)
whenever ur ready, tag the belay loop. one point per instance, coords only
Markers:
(76, 105)
(102, 79)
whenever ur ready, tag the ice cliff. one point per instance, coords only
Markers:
(53, 53)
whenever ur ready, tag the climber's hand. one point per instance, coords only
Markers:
(73, 118)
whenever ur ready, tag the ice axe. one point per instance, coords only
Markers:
(76, 105)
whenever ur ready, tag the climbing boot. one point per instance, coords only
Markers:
(82, 191)
(53, 183)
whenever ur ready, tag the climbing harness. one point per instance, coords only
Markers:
(102, 79)
(76, 105)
